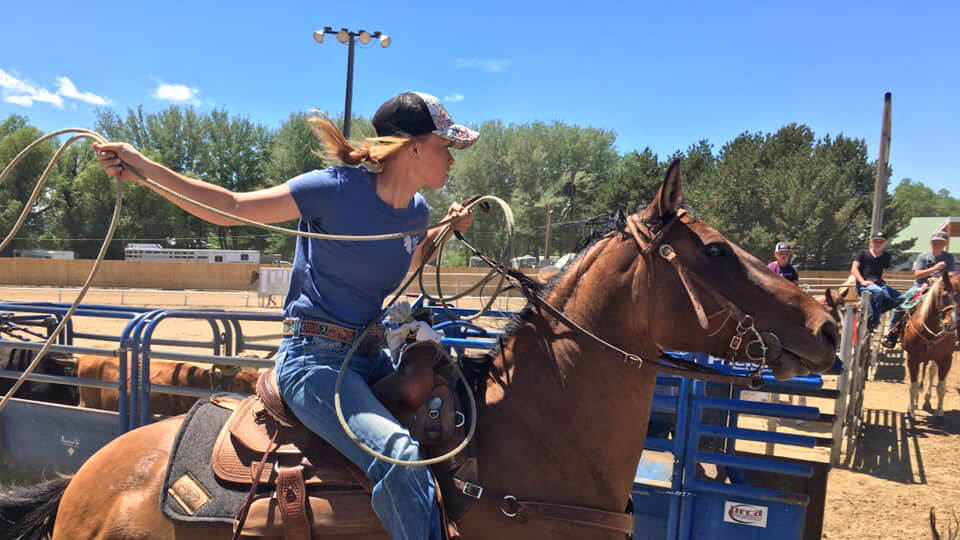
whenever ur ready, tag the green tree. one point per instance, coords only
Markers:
(236, 152)
(913, 199)
(15, 135)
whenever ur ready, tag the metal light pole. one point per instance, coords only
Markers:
(349, 38)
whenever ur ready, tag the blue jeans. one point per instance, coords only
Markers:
(883, 298)
(403, 497)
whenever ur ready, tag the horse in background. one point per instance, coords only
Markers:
(221, 377)
(53, 363)
(833, 302)
(929, 336)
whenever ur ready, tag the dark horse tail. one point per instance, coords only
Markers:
(27, 512)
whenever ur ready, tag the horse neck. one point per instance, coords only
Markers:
(928, 313)
(569, 423)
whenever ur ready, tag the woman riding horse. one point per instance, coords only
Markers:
(564, 411)
(337, 288)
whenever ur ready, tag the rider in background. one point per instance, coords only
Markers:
(867, 268)
(782, 264)
(337, 288)
(932, 264)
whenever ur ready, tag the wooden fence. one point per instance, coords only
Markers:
(243, 277)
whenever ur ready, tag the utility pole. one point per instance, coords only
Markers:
(880, 186)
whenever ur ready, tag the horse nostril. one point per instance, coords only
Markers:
(830, 334)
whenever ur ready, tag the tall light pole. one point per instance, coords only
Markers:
(349, 38)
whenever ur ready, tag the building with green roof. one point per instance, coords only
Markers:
(919, 230)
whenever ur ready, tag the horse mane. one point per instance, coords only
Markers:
(924, 310)
(601, 226)
(617, 222)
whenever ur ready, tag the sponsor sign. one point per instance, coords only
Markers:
(745, 514)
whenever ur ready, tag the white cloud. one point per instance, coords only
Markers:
(177, 93)
(455, 98)
(492, 65)
(25, 93)
(46, 96)
(18, 100)
(67, 89)
(9, 82)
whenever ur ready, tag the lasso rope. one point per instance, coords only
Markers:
(81, 134)
(446, 224)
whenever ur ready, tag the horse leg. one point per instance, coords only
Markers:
(914, 393)
(930, 373)
(941, 391)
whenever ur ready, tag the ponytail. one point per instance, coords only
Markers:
(372, 153)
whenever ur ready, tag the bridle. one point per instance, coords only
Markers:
(940, 310)
(651, 241)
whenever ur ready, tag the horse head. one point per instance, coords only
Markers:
(704, 293)
(833, 302)
(943, 304)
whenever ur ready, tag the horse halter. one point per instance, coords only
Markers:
(653, 240)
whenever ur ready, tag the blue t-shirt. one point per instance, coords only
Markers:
(346, 282)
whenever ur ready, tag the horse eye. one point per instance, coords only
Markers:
(714, 250)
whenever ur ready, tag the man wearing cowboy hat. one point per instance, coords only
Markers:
(933, 264)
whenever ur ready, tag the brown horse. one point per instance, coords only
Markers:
(833, 301)
(221, 377)
(929, 335)
(565, 417)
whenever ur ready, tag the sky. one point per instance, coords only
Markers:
(658, 74)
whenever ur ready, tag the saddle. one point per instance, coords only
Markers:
(314, 491)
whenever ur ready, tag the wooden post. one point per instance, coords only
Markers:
(572, 236)
(880, 186)
(546, 246)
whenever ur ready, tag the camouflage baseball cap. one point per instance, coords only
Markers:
(412, 114)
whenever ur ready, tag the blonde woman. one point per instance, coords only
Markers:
(337, 288)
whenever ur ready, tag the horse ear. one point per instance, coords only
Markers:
(670, 196)
(828, 296)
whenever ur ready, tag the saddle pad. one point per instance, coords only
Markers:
(911, 301)
(191, 494)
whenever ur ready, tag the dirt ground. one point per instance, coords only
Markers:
(883, 488)
(887, 484)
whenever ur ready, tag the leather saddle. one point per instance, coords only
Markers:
(315, 491)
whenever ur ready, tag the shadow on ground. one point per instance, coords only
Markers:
(888, 447)
(891, 366)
